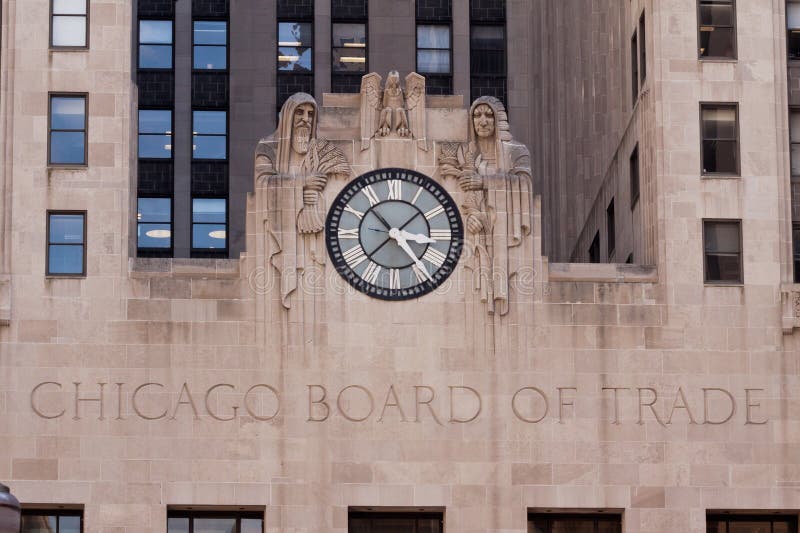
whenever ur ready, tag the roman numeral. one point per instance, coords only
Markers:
(371, 273)
(348, 233)
(434, 257)
(421, 273)
(356, 212)
(416, 196)
(369, 192)
(438, 210)
(394, 279)
(395, 189)
(441, 234)
(355, 256)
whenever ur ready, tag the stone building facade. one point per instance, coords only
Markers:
(263, 386)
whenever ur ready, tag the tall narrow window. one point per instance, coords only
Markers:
(594, 249)
(67, 137)
(488, 62)
(611, 230)
(794, 137)
(642, 50)
(558, 523)
(154, 223)
(720, 130)
(209, 224)
(634, 175)
(210, 45)
(155, 134)
(349, 55)
(68, 24)
(66, 239)
(433, 49)
(634, 69)
(210, 135)
(155, 44)
(796, 247)
(295, 58)
(793, 29)
(61, 521)
(722, 241)
(717, 29)
(214, 522)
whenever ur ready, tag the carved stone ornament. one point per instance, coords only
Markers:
(494, 172)
(391, 110)
(790, 299)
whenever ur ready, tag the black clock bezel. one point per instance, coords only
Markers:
(353, 188)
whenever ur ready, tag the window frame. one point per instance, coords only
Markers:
(397, 515)
(595, 517)
(594, 248)
(611, 229)
(139, 21)
(172, 133)
(237, 515)
(789, 30)
(227, 45)
(83, 244)
(85, 130)
(792, 110)
(192, 223)
(738, 172)
(634, 43)
(364, 23)
(227, 133)
(635, 177)
(474, 25)
(732, 517)
(52, 512)
(642, 50)
(86, 31)
(149, 249)
(796, 252)
(475, 22)
(723, 283)
(449, 26)
(311, 47)
(735, 27)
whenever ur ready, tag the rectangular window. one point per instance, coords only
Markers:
(210, 45)
(634, 69)
(349, 48)
(717, 29)
(722, 245)
(642, 51)
(295, 41)
(634, 174)
(488, 50)
(594, 249)
(577, 523)
(154, 223)
(793, 29)
(611, 231)
(751, 524)
(155, 134)
(796, 246)
(210, 135)
(214, 522)
(720, 133)
(69, 26)
(61, 521)
(794, 139)
(209, 224)
(629, 260)
(488, 68)
(376, 522)
(155, 44)
(433, 49)
(66, 239)
(67, 130)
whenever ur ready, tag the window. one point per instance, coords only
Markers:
(634, 69)
(294, 47)
(376, 522)
(66, 239)
(557, 523)
(751, 524)
(629, 260)
(61, 521)
(155, 44)
(722, 242)
(433, 49)
(796, 246)
(488, 67)
(634, 175)
(349, 48)
(794, 138)
(68, 24)
(67, 130)
(793, 29)
(594, 249)
(214, 522)
(210, 48)
(209, 221)
(611, 236)
(154, 223)
(209, 134)
(488, 50)
(720, 131)
(642, 51)
(155, 134)
(717, 29)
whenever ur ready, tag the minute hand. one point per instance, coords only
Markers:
(416, 237)
(407, 249)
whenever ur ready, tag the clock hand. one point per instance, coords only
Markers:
(382, 220)
(416, 237)
(376, 229)
(394, 233)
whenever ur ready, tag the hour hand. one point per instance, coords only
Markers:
(416, 237)
(382, 220)
(401, 241)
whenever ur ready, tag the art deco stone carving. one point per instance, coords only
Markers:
(494, 172)
(392, 110)
(790, 299)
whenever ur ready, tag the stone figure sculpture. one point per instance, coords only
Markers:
(295, 165)
(393, 110)
(494, 172)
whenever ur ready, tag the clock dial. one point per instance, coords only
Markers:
(394, 234)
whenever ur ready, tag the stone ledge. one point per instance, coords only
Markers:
(149, 267)
(602, 272)
(790, 306)
(5, 300)
(353, 100)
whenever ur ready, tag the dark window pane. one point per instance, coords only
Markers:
(67, 113)
(154, 210)
(433, 61)
(433, 37)
(349, 36)
(214, 525)
(295, 34)
(294, 59)
(749, 527)
(210, 57)
(69, 7)
(67, 148)
(210, 32)
(69, 524)
(717, 42)
(716, 13)
(611, 229)
(155, 56)
(487, 62)
(209, 147)
(488, 38)
(65, 259)
(177, 525)
(69, 31)
(722, 237)
(208, 210)
(634, 175)
(719, 123)
(720, 157)
(66, 229)
(209, 122)
(594, 249)
(155, 121)
(642, 50)
(349, 59)
(795, 159)
(155, 32)
(38, 524)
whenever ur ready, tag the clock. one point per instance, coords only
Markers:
(394, 234)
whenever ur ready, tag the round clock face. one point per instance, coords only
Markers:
(394, 234)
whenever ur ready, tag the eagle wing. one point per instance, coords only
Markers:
(415, 104)
(370, 107)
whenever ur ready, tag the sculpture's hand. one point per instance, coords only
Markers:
(470, 181)
(416, 237)
(316, 182)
